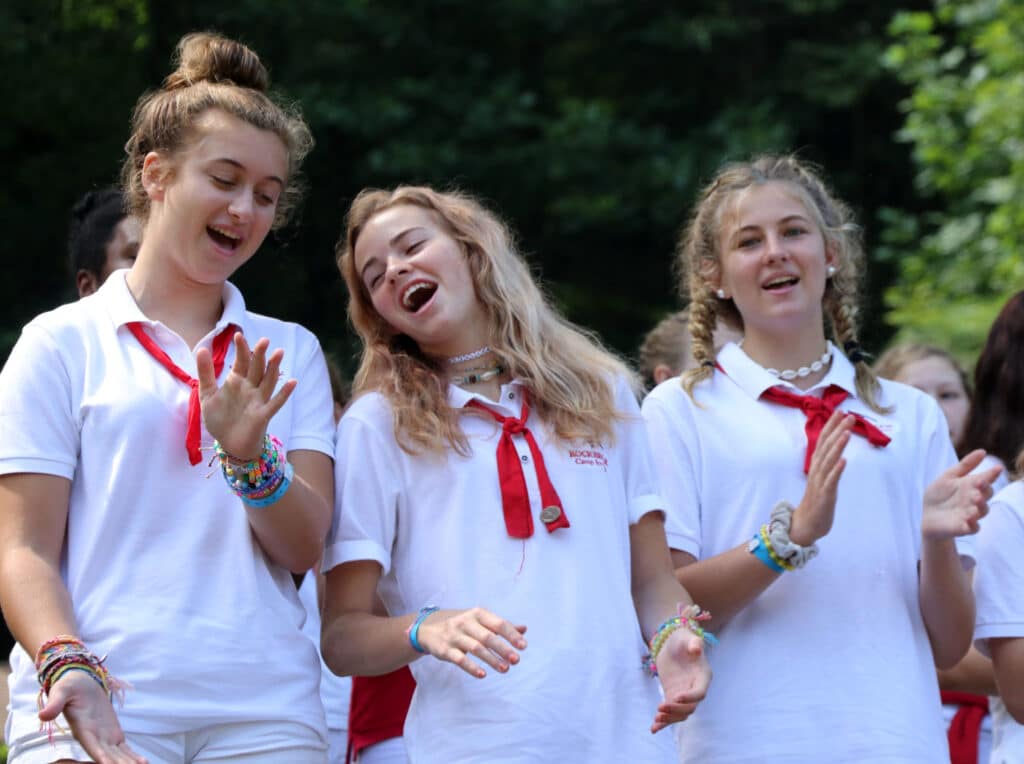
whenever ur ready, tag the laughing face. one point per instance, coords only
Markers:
(419, 281)
(214, 202)
(774, 260)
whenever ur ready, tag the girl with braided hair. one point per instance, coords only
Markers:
(836, 661)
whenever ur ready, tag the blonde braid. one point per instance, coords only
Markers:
(842, 314)
(703, 321)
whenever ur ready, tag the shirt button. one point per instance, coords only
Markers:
(525, 458)
(511, 396)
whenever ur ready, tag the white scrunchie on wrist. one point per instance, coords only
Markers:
(778, 533)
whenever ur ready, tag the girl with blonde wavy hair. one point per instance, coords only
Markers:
(493, 474)
(852, 594)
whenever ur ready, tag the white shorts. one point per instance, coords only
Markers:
(242, 742)
(390, 751)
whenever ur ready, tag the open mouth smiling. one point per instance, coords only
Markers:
(780, 282)
(418, 294)
(224, 238)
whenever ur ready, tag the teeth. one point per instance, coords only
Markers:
(406, 301)
(779, 281)
(222, 232)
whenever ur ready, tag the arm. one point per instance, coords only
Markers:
(973, 674)
(728, 582)
(37, 606)
(1008, 662)
(953, 505)
(291, 531)
(657, 596)
(356, 641)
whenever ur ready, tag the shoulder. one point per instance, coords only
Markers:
(369, 409)
(909, 404)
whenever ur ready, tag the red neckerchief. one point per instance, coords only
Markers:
(515, 500)
(221, 343)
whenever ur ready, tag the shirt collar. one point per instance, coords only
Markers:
(123, 308)
(458, 398)
(753, 379)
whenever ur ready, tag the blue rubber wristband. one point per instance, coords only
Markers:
(761, 552)
(414, 630)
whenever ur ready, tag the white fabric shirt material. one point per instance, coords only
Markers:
(164, 573)
(999, 588)
(832, 662)
(335, 691)
(436, 526)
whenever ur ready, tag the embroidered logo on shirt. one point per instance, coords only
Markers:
(592, 456)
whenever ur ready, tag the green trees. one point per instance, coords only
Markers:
(958, 261)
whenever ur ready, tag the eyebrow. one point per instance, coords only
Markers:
(235, 163)
(786, 219)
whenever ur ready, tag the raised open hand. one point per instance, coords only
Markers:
(455, 635)
(958, 499)
(813, 517)
(236, 414)
(91, 717)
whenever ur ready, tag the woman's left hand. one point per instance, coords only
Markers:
(236, 414)
(957, 500)
(684, 674)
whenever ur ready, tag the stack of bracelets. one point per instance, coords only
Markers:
(262, 481)
(58, 656)
(772, 545)
(690, 617)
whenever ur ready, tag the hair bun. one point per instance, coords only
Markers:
(209, 57)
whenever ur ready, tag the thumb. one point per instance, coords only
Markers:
(695, 646)
(54, 706)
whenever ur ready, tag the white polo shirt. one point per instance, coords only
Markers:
(164, 573)
(831, 663)
(999, 587)
(435, 524)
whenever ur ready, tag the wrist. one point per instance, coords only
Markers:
(413, 632)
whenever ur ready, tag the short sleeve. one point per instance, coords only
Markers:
(999, 578)
(676, 474)
(640, 478)
(39, 429)
(313, 404)
(366, 492)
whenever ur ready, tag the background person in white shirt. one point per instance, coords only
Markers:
(113, 530)
(999, 632)
(550, 521)
(832, 661)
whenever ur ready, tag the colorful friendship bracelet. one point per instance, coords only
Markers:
(65, 653)
(760, 549)
(413, 631)
(690, 617)
(262, 481)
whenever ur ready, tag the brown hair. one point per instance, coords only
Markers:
(995, 419)
(569, 374)
(668, 343)
(698, 261)
(892, 362)
(212, 72)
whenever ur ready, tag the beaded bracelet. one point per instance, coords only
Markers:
(262, 481)
(767, 542)
(690, 617)
(413, 631)
(762, 551)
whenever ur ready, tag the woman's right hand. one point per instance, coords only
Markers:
(91, 717)
(813, 517)
(455, 635)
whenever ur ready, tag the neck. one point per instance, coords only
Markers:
(788, 351)
(188, 308)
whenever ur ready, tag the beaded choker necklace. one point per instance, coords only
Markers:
(804, 371)
(472, 379)
(480, 353)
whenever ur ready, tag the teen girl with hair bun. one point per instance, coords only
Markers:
(492, 476)
(837, 606)
(162, 470)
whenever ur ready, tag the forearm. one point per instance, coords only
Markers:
(35, 601)
(726, 583)
(364, 644)
(972, 674)
(291, 531)
(1008, 662)
(947, 602)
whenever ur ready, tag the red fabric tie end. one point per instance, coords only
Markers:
(515, 499)
(818, 410)
(221, 343)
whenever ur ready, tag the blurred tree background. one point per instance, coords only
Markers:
(589, 124)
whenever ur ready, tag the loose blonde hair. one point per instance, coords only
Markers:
(212, 72)
(566, 369)
(698, 262)
(896, 358)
